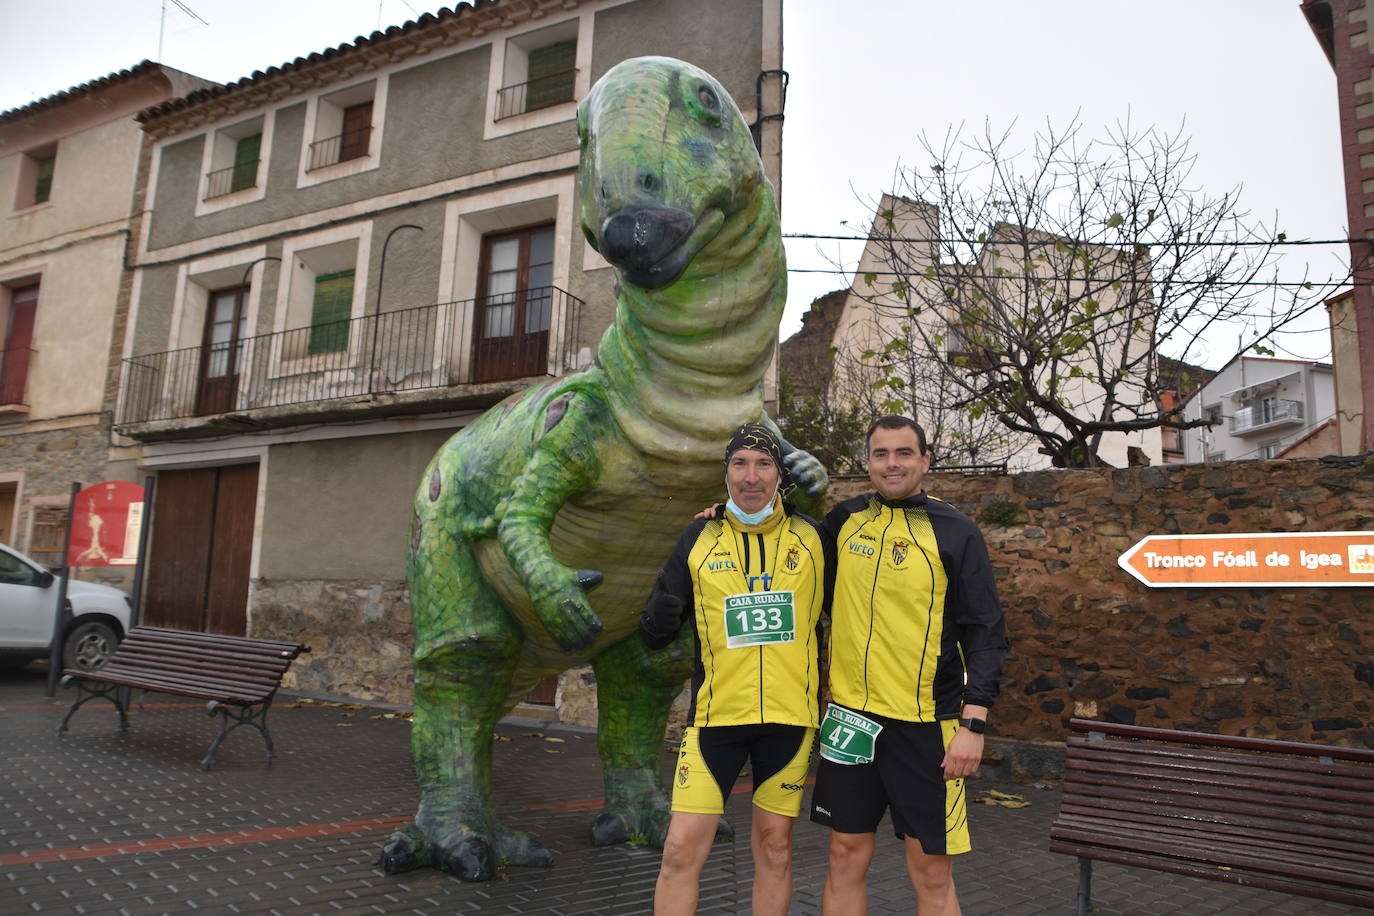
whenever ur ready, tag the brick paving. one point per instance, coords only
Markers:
(102, 822)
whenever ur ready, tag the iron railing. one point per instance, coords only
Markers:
(546, 91)
(1264, 414)
(333, 150)
(429, 347)
(14, 374)
(237, 177)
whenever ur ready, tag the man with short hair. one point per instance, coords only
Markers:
(917, 641)
(751, 586)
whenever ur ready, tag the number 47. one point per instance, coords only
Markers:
(841, 736)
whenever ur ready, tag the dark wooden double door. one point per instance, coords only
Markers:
(514, 305)
(201, 550)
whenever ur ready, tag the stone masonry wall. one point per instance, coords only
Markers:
(1087, 639)
(359, 635)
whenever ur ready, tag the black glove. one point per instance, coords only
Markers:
(661, 620)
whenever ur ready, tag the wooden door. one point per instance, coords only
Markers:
(14, 368)
(201, 549)
(221, 349)
(514, 305)
(357, 132)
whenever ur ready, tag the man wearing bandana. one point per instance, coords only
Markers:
(750, 586)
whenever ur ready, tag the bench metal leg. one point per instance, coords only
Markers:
(234, 716)
(1085, 886)
(89, 690)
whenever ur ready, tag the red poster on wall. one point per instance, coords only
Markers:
(105, 524)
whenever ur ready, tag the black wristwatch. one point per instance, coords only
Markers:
(977, 726)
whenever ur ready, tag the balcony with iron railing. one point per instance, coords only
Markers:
(543, 92)
(1265, 416)
(349, 145)
(238, 177)
(402, 361)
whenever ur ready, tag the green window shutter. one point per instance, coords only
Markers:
(330, 312)
(42, 187)
(246, 154)
(551, 75)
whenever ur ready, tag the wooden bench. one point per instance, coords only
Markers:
(238, 675)
(1270, 814)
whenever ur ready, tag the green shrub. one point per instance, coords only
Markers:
(999, 512)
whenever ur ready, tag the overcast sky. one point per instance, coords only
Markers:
(1244, 78)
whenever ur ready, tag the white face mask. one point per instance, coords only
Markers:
(751, 518)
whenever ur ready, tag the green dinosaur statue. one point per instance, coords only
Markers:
(587, 480)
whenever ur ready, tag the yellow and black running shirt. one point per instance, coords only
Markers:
(915, 608)
(714, 563)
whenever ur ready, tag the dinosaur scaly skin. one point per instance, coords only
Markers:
(594, 474)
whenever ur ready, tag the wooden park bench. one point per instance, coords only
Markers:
(1271, 814)
(239, 676)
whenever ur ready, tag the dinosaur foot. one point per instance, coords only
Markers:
(462, 853)
(646, 827)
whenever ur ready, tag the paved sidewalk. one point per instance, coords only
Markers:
(103, 822)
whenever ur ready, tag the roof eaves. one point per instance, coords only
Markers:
(74, 92)
(361, 43)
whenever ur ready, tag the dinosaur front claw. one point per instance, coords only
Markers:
(589, 579)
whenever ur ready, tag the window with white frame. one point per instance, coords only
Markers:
(539, 71)
(343, 127)
(235, 159)
(323, 295)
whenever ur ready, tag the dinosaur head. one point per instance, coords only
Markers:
(666, 160)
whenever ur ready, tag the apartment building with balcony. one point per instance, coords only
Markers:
(68, 172)
(344, 260)
(1260, 407)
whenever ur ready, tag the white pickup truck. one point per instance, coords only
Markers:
(28, 605)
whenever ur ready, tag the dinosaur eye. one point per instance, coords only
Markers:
(704, 105)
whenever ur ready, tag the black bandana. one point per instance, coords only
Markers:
(760, 438)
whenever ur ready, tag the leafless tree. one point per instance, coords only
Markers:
(1040, 289)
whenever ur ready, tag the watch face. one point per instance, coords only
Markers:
(977, 726)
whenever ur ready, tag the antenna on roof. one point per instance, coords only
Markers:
(162, 23)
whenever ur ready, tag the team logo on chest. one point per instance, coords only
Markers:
(793, 559)
(899, 551)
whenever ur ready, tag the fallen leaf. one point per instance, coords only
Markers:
(556, 740)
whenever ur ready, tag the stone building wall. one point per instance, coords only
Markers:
(1087, 639)
(358, 632)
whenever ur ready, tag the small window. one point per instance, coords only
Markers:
(343, 127)
(245, 169)
(42, 186)
(47, 544)
(36, 170)
(357, 131)
(330, 313)
(540, 71)
(1269, 450)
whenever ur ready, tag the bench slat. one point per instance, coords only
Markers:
(1203, 792)
(1306, 833)
(1349, 853)
(1194, 759)
(1219, 805)
(190, 677)
(209, 666)
(1197, 849)
(1265, 745)
(210, 689)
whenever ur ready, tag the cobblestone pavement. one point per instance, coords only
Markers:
(102, 822)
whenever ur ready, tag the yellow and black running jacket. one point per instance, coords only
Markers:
(776, 684)
(915, 608)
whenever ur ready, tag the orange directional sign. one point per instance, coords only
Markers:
(1316, 558)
